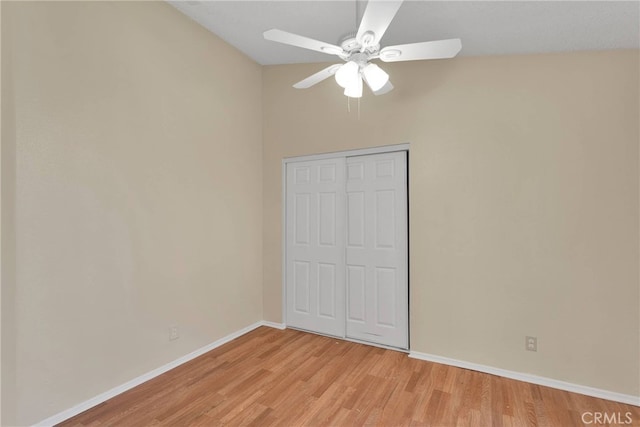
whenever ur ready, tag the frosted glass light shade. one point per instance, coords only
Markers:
(347, 75)
(375, 76)
(355, 89)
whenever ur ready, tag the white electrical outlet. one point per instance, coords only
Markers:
(174, 334)
(531, 343)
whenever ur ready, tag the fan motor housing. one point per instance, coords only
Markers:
(356, 51)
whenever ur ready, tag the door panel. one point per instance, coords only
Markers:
(377, 249)
(346, 247)
(385, 219)
(385, 288)
(327, 202)
(315, 230)
(355, 293)
(301, 287)
(326, 290)
(301, 218)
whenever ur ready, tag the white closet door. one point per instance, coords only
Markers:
(315, 233)
(377, 249)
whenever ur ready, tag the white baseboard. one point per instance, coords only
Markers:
(273, 324)
(529, 378)
(88, 404)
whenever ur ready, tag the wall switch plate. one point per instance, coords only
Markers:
(173, 333)
(531, 343)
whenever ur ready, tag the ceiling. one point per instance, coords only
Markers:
(485, 27)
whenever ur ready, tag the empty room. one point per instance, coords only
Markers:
(320, 213)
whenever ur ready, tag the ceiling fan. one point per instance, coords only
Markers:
(358, 51)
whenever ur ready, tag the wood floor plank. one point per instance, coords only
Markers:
(287, 378)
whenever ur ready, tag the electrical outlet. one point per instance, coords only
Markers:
(174, 334)
(531, 343)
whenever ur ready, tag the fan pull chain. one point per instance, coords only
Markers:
(349, 106)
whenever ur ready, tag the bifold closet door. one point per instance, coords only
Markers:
(377, 276)
(315, 234)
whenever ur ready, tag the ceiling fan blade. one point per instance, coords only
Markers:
(388, 87)
(301, 41)
(317, 77)
(426, 50)
(376, 19)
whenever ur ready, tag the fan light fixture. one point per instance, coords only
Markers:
(347, 75)
(354, 90)
(376, 78)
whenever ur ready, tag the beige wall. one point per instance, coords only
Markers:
(137, 195)
(523, 203)
(7, 226)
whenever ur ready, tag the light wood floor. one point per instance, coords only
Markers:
(290, 378)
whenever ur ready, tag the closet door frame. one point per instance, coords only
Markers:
(283, 219)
